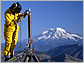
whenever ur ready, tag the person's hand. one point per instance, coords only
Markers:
(20, 18)
(26, 13)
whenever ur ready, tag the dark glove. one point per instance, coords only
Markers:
(18, 20)
(26, 13)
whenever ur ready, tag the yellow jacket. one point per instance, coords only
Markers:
(9, 23)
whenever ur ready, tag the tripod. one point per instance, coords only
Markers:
(29, 52)
(29, 55)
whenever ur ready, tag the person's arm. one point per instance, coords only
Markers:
(20, 17)
(8, 18)
(18, 20)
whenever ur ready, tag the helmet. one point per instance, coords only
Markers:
(17, 7)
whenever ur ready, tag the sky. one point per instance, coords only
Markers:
(47, 14)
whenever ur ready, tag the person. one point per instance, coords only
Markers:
(11, 29)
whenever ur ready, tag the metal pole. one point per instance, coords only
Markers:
(29, 28)
(29, 32)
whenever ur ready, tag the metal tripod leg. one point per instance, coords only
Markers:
(35, 58)
(25, 58)
(30, 58)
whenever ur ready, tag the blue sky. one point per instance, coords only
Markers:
(48, 14)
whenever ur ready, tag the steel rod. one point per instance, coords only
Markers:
(29, 32)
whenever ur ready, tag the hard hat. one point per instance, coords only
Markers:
(17, 7)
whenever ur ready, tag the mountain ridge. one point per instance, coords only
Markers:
(75, 50)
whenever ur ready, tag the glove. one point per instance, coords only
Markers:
(26, 13)
(18, 20)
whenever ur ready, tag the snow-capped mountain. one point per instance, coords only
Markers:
(57, 34)
(51, 38)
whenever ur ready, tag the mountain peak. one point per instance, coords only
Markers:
(60, 29)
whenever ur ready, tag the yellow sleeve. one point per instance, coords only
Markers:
(19, 14)
(8, 18)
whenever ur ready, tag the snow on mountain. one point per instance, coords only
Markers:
(57, 34)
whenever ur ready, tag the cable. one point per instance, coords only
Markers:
(20, 38)
(38, 57)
